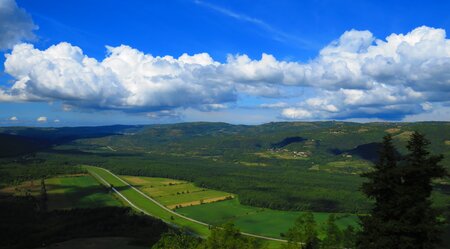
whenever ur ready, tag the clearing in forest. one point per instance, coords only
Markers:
(176, 193)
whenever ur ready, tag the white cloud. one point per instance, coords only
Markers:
(427, 106)
(13, 118)
(126, 79)
(419, 60)
(439, 112)
(164, 114)
(213, 107)
(16, 25)
(296, 113)
(56, 121)
(41, 119)
(356, 76)
(274, 105)
(381, 101)
(67, 108)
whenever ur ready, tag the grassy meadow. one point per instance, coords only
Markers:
(261, 221)
(175, 193)
(147, 205)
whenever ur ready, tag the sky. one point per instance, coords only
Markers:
(72, 63)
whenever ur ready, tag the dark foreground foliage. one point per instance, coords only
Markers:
(226, 237)
(303, 235)
(402, 217)
(24, 226)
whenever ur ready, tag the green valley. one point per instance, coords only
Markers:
(192, 175)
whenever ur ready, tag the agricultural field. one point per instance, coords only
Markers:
(144, 203)
(262, 221)
(69, 191)
(285, 165)
(354, 167)
(276, 170)
(284, 154)
(176, 193)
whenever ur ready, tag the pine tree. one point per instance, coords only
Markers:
(419, 227)
(402, 217)
(382, 185)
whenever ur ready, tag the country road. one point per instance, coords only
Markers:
(96, 171)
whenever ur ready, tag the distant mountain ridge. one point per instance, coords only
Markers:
(206, 138)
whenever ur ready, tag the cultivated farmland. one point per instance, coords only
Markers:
(175, 193)
(261, 221)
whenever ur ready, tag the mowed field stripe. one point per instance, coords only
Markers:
(112, 180)
(117, 192)
(140, 202)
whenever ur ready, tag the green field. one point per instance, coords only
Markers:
(173, 193)
(145, 204)
(249, 219)
(355, 167)
(71, 191)
(261, 221)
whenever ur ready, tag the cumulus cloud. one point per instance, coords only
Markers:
(41, 119)
(381, 101)
(126, 79)
(356, 75)
(16, 25)
(361, 76)
(13, 118)
(357, 60)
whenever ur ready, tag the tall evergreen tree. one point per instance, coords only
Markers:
(402, 217)
(419, 227)
(382, 185)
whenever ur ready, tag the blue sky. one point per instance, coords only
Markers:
(323, 60)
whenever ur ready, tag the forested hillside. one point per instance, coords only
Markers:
(290, 166)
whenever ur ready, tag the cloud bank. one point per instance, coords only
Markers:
(356, 76)
(15, 24)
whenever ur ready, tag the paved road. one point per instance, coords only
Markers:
(109, 147)
(162, 206)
